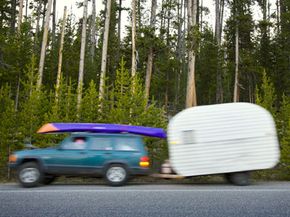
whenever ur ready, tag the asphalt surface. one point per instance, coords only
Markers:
(260, 199)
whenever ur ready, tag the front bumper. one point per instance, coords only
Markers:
(13, 165)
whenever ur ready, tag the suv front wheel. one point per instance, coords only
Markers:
(29, 174)
(116, 175)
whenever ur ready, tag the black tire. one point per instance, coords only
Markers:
(227, 177)
(48, 180)
(116, 175)
(29, 175)
(240, 178)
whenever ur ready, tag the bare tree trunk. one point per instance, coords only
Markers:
(201, 15)
(191, 90)
(82, 56)
(179, 50)
(162, 16)
(139, 14)
(38, 10)
(278, 15)
(133, 71)
(26, 7)
(53, 22)
(13, 15)
(58, 79)
(179, 30)
(104, 51)
(217, 21)
(20, 15)
(44, 11)
(236, 87)
(119, 29)
(218, 25)
(43, 46)
(222, 8)
(93, 32)
(150, 55)
(183, 47)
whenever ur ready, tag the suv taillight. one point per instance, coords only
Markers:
(144, 161)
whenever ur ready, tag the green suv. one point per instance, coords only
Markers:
(115, 157)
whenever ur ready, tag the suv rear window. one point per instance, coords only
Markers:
(100, 143)
(126, 144)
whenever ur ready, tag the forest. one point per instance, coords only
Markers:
(85, 69)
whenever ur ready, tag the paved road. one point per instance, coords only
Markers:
(263, 199)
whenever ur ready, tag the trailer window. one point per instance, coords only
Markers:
(188, 137)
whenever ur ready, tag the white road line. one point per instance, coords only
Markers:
(149, 191)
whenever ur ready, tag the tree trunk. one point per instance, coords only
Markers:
(119, 29)
(236, 87)
(13, 15)
(26, 8)
(82, 56)
(179, 51)
(201, 16)
(58, 79)
(191, 90)
(139, 14)
(44, 12)
(38, 10)
(150, 55)
(43, 46)
(162, 16)
(133, 71)
(53, 22)
(218, 25)
(104, 51)
(222, 8)
(278, 15)
(20, 14)
(217, 21)
(93, 32)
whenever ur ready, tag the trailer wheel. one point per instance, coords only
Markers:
(240, 178)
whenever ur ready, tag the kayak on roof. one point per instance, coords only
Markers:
(102, 128)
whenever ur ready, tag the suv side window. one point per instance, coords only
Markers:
(74, 143)
(126, 144)
(100, 143)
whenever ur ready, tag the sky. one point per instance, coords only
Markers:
(210, 4)
(71, 4)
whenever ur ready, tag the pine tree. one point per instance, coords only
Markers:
(266, 96)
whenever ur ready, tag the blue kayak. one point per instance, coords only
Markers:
(102, 128)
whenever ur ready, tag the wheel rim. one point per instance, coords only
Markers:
(29, 175)
(116, 174)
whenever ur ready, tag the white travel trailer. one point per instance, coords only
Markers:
(230, 139)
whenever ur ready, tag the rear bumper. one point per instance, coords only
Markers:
(140, 171)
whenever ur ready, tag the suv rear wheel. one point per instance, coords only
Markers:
(116, 175)
(29, 174)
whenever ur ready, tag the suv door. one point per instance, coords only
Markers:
(100, 151)
(128, 150)
(69, 157)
